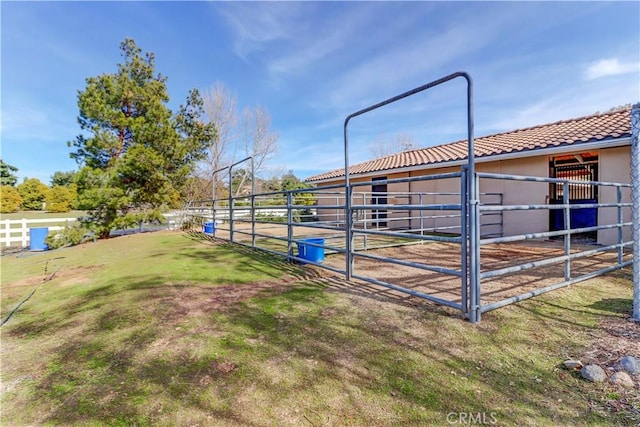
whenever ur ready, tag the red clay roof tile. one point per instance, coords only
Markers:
(598, 127)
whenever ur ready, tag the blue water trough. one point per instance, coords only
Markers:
(209, 228)
(309, 252)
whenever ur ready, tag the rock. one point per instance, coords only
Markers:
(572, 364)
(593, 373)
(630, 364)
(623, 379)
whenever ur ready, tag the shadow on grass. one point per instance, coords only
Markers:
(614, 305)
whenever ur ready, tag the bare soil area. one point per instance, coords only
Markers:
(493, 257)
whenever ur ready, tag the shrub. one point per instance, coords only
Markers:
(69, 236)
(10, 199)
(33, 193)
(59, 199)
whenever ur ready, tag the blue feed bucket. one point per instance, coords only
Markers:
(210, 227)
(37, 237)
(311, 253)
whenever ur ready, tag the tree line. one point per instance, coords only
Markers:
(137, 157)
(34, 195)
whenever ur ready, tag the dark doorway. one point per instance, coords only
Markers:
(379, 197)
(575, 167)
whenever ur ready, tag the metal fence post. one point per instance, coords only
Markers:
(620, 220)
(364, 221)
(474, 231)
(253, 202)
(289, 225)
(635, 198)
(566, 211)
(230, 207)
(349, 232)
(464, 240)
(473, 210)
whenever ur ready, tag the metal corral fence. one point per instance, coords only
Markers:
(449, 238)
(568, 211)
(281, 223)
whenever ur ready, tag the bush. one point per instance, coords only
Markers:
(59, 199)
(70, 236)
(33, 193)
(10, 199)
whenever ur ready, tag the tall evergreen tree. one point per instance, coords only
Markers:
(7, 174)
(136, 153)
(64, 179)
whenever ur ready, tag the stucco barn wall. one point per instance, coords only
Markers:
(615, 166)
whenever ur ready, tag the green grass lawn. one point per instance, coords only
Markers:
(168, 329)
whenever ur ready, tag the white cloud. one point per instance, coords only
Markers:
(258, 24)
(24, 123)
(428, 52)
(575, 101)
(609, 67)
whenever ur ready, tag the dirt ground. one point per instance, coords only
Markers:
(446, 255)
(492, 257)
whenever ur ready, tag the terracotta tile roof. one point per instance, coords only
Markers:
(598, 127)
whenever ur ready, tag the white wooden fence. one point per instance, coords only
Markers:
(17, 230)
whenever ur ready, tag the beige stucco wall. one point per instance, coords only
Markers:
(613, 167)
(520, 193)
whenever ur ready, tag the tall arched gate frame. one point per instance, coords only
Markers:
(439, 237)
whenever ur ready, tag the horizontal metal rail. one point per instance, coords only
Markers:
(407, 179)
(418, 265)
(435, 207)
(422, 295)
(550, 180)
(530, 236)
(292, 257)
(540, 291)
(549, 261)
(486, 208)
(409, 235)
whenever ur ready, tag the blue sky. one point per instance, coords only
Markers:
(310, 64)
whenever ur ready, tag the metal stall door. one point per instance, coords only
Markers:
(578, 194)
(379, 197)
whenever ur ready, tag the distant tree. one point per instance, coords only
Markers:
(60, 199)
(238, 136)
(197, 188)
(221, 108)
(269, 185)
(139, 154)
(289, 181)
(10, 200)
(34, 194)
(384, 146)
(64, 179)
(615, 109)
(259, 141)
(620, 108)
(239, 182)
(7, 174)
